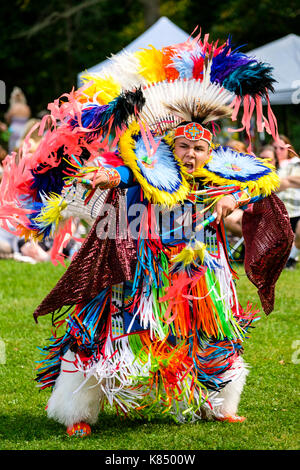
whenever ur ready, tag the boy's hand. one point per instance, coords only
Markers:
(225, 207)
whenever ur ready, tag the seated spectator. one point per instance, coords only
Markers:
(12, 246)
(237, 145)
(9, 247)
(16, 117)
(34, 139)
(4, 137)
(268, 152)
(289, 190)
(3, 154)
(284, 150)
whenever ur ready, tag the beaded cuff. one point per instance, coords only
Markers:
(113, 178)
(241, 198)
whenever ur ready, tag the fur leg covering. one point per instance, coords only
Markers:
(229, 397)
(71, 402)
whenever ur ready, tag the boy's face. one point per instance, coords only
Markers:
(193, 154)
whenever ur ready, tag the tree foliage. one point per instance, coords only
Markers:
(45, 45)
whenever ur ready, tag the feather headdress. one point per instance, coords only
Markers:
(196, 80)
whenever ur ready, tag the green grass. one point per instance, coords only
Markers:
(269, 400)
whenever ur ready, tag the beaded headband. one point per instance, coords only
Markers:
(193, 131)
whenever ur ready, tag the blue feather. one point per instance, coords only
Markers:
(250, 79)
(227, 61)
(184, 64)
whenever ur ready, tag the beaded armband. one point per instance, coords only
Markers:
(241, 198)
(113, 178)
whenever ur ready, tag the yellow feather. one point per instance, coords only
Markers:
(151, 64)
(189, 254)
(104, 89)
(51, 212)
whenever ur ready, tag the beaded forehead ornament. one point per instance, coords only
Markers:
(193, 131)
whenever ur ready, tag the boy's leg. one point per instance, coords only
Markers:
(229, 396)
(71, 402)
(231, 393)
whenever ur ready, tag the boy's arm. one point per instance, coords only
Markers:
(227, 204)
(109, 177)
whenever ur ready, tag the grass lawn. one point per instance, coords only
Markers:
(269, 400)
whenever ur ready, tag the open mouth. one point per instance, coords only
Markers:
(189, 167)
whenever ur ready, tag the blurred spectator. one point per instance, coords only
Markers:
(289, 191)
(4, 138)
(11, 246)
(268, 152)
(35, 251)
(3, 154)
(34, 139)
(284, 150)
(8, 244)
(237, 145)
(16, 117)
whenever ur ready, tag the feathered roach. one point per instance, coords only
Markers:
(202, 112)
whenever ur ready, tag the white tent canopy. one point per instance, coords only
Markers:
(284, 56)
(161, 34)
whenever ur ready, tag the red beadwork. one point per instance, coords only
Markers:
(193, 131)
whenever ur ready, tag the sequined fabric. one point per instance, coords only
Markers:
(268, 240)
(98, 264)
